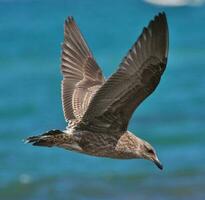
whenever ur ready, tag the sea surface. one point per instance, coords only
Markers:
(172, 119)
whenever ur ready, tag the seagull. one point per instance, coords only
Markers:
(99, 110)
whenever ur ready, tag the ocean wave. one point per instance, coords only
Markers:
(176, 2)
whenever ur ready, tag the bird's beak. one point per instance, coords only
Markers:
(158, 163)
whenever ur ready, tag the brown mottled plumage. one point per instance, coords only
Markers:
(99, 111)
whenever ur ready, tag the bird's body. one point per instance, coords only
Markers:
(120, 146)
(99, 110)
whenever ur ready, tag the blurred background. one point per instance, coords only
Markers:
(172, 119)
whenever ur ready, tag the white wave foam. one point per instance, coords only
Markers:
(176, 2)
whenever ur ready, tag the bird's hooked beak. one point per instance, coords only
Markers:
(158, 163)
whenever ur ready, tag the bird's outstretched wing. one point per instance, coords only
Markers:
(137, 77)
(82, 76)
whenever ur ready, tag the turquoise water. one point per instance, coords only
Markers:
(172, 119)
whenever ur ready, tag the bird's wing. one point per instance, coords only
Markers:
(137, 77)
(82, 76)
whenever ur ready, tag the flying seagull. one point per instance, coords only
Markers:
(99, 110)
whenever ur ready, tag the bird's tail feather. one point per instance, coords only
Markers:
(47, 139)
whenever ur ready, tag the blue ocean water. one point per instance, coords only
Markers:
(172, 119)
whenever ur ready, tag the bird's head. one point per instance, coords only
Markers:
(149, 153)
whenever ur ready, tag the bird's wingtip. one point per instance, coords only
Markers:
(162, 14)
(70, 19)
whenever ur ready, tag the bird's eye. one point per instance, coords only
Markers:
(150, 151)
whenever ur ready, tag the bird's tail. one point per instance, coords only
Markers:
(48, 139)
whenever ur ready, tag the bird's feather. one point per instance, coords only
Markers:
(137, 77)
(82, 76)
